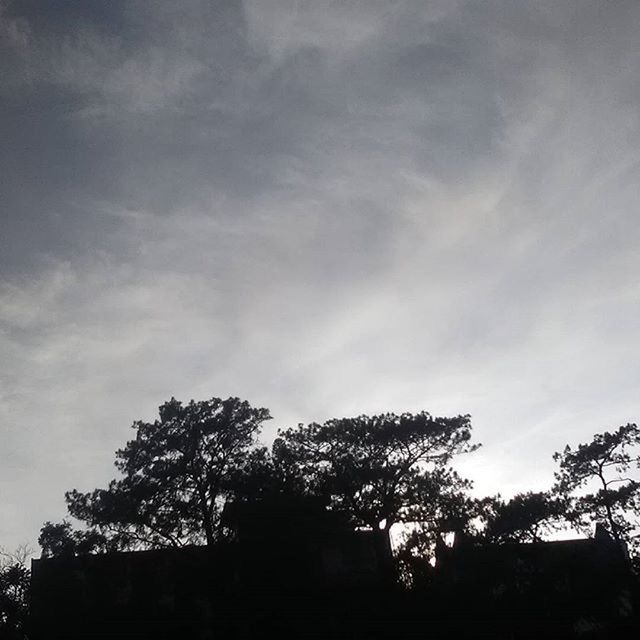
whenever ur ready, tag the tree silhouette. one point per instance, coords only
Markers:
(60, 539)
(176, 475)
(267, 474)
(383, 469)
(14, 593)
(450, 510)
(524, 518)
(596, 478)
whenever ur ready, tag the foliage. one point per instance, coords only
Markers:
(177, 473)
(452, 511)
(596, 479)
(414, 557)
(372, 471)
(524, 518)
(60, 539)
(14, 593)
(266, 474)
(383, 469)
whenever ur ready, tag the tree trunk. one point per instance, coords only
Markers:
(208, 531)
(206, 518)
(607, 504)
(384, 555)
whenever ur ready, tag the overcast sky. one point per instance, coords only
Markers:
(326, 208)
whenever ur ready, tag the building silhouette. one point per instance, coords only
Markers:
(567, 588)
(291, 569)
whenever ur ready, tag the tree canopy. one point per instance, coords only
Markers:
(526, 517)
(176, 474)
(382, 469)
(372, 472)
(14, 593)
(596, 478)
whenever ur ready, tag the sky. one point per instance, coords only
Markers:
(325, 208)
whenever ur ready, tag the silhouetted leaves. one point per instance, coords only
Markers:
(524, 518)
(371, 471)
(14, 599)
(383, 469)
(60, 539)
(177, 473)
(596, 480)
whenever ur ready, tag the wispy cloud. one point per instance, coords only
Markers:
(327, 208)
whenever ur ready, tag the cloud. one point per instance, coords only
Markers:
(327, 208)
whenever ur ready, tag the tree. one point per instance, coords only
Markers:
(14, 593)
(60, 539)
(450, 510)
(524, 518)
(176, 474)
(596, 478)
(268, 473)
(384, 469)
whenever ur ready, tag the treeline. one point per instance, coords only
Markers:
(178, 472)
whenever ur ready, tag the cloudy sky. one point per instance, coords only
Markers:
(326, 208)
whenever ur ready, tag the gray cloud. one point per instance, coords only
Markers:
(327, 208)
